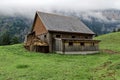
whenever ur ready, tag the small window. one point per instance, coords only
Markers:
(82, 44)
(70, 43)
(81, 37)
(73, 36)
(93, 44)
(44, 36)
(86, 37)
(58, 36)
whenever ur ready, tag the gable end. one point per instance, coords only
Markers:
(38, 26)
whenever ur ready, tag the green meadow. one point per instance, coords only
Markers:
(16, 63)
(110, 41)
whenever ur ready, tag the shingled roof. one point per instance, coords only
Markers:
(54, 22)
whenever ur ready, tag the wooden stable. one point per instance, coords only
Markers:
(62, 34)
(66, 45)
(33, 43)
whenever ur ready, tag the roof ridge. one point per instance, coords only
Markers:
(58, 22)
(57, 14)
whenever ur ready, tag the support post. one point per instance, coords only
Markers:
(63, 46)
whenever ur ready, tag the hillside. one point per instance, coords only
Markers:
(18, 64)
(15, 25)
(110, 41)
(100, 21)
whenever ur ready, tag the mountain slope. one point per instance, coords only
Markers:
(110, 41)
(15, 26)
(100, 21)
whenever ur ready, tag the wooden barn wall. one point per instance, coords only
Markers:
(52, 35)
(58, 45)
(39, 27)
(50, 41)
(44, 49)
(44, 37)
(69, 35)
(77, 47)
(88, 46)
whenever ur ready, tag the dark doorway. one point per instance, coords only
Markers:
(44, 49)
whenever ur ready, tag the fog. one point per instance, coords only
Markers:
(29, 7)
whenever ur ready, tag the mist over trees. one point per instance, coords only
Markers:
(18, 26)
(13, 29)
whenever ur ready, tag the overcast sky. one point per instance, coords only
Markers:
(27, 6)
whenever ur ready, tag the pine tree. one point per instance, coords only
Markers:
(118, 30)
(5, 39)
(114, 30)
(14, 40)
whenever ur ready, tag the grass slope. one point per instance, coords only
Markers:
(18, 64)
(110, 41)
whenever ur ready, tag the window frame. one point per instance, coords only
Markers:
(70, 44)
(58, 36)
(82, 44)
(73, 36)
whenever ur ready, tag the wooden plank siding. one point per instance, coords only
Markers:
(63, 46)
(69, 35)
(77, 47)
(38, 27)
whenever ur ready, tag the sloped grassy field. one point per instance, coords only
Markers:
(18, 64)
(110, 41)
